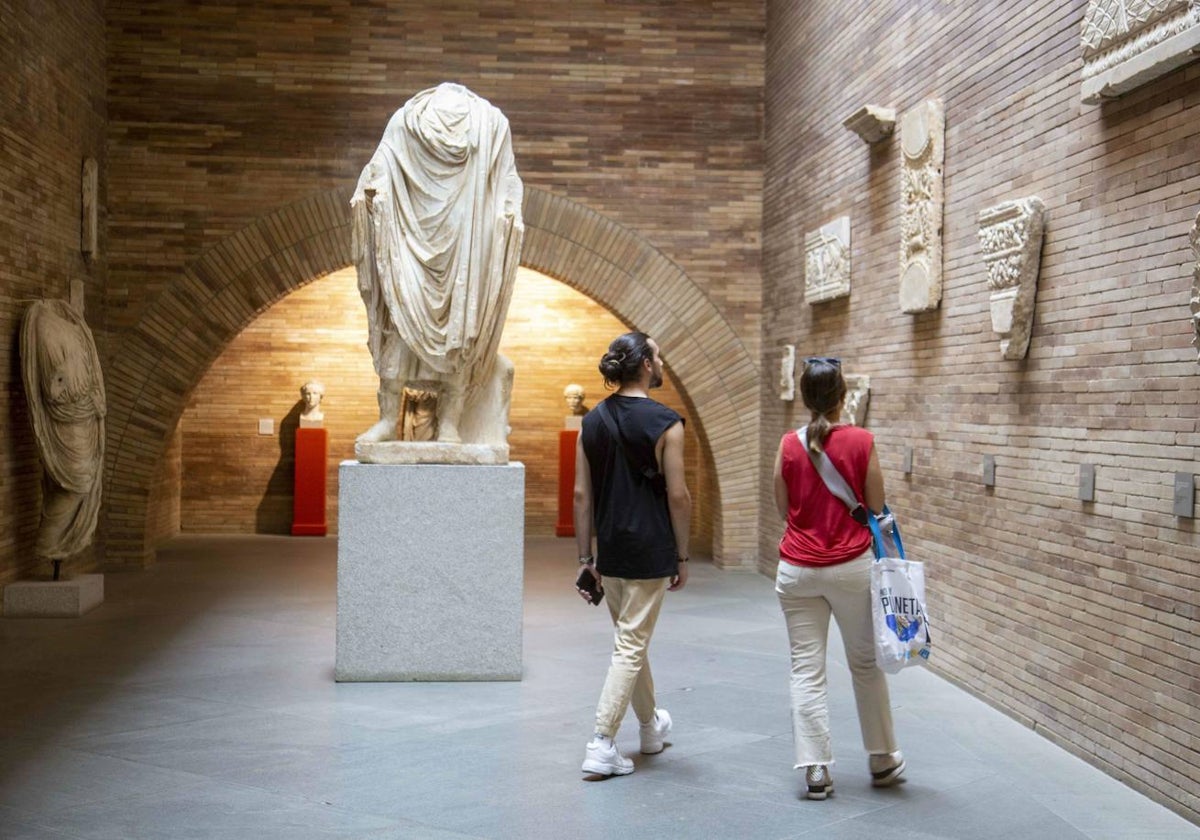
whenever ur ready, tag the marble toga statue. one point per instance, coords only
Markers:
(65, 391)
(437, 241)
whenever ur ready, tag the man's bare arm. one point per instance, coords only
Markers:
(679, 500)
(583, 501)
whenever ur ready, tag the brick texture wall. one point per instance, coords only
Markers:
(1080, 619)
(650, 115)
(237, 481)
(52, 99)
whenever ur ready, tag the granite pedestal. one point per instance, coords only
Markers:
(430, 572)
(53, 598)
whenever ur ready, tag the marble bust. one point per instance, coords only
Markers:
(64, 388)
(574, 396)
(312, 393)
(437, 234)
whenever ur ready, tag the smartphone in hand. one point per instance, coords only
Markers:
(587, 582)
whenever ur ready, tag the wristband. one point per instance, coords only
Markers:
(587, 560)
(681, 559)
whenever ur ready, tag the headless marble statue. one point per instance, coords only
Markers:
(65, 391)
(437, 242)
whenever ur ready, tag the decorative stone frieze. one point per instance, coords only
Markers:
(1195, 240)
(872, 122)
(787, 373)
(827, 261)
(922, 143)
(858, 393)
(1010, 236)
(1127, 43)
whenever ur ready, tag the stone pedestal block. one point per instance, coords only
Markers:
(430, 572)
(53, 599)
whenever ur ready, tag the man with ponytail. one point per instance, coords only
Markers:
(824, 569)
(630, 492)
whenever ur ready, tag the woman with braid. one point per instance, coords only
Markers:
(824, 568)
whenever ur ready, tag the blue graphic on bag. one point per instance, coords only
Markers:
(903, 615)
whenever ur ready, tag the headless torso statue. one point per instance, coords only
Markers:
(64, 388)
(437, 242)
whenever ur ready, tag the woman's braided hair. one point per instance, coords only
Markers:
(822, 387)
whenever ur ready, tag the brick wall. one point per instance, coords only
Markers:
(52, 99)
(648, 114)
(1079, 619)
(237, 481)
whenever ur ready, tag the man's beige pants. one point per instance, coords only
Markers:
(634, 606)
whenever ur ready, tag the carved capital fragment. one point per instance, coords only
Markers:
(1010, 236)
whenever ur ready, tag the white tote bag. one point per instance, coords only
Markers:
(898, 613)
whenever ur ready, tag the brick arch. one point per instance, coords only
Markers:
(220, 293)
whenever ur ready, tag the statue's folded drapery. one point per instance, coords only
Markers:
(437, 236)
(65, 391)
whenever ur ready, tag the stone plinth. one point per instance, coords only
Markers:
(53, 599)
(430, 572)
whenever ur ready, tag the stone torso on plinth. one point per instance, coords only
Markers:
(64, 387)
(431, 516)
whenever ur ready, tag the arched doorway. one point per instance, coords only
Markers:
(185, 330)
(231, 479)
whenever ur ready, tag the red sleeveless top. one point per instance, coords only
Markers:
(820, 531)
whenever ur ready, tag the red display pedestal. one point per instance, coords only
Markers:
(566, 483)
(308, 511)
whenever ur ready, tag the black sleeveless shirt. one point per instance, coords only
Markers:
(634, 537)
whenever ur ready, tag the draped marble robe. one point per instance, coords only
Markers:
(64, 387)
(437, 241)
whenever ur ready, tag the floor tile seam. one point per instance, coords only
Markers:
(1092, 833)
(200, 780)
(692, 644)
(194, 780)
(216, 675)
(797, 805)
(36, 821)
(151, 732)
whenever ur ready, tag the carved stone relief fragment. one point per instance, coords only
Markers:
(1010, 236)
(872, 122)
(827, 261)
(89, 192)
(1127, 43)
(787, 373)
(1195, 240)
(858, 393)
(922, 143)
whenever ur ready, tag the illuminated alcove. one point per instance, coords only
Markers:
(233, 479)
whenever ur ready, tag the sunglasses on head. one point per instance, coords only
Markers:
(827, 360)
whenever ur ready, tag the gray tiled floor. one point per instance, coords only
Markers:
(199, 701)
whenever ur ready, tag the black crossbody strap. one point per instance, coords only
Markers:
(649, 473)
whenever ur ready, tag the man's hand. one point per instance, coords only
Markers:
(680, 579)
(583, 593)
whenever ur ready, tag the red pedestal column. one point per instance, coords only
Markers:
(308, 511)
(566, 483)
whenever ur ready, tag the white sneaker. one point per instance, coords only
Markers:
(818, 781)
(604, 759)
(886, 770)
(654, 732)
